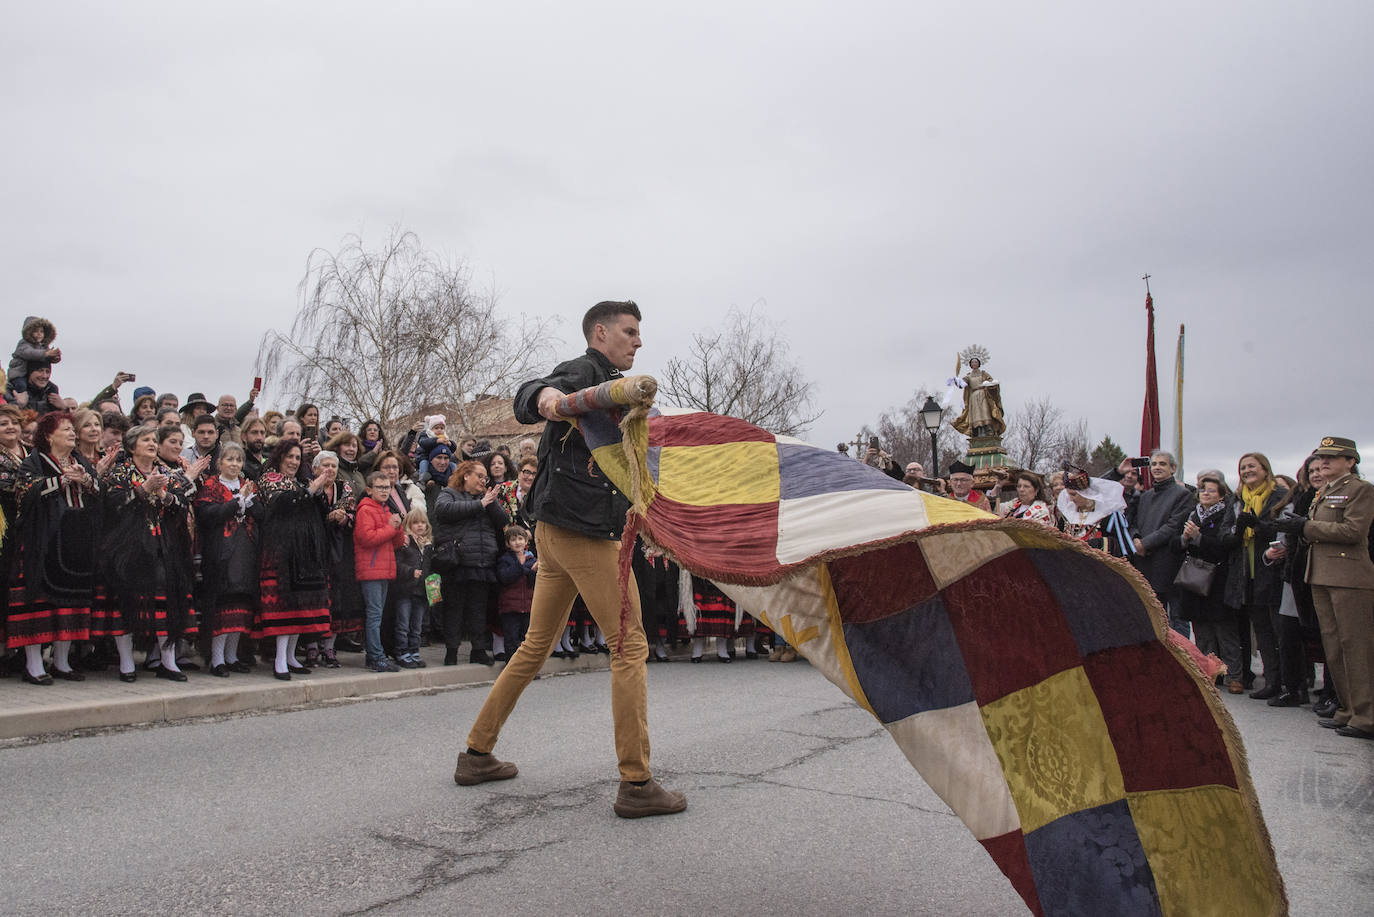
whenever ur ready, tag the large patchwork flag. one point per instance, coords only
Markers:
(1028, 679)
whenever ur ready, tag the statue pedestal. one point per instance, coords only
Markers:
(987, 458)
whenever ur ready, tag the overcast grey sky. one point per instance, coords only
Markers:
(891, 181)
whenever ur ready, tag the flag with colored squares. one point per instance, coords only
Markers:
(1028, 679)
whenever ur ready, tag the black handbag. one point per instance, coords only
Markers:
(1196, 575)
(447, 555)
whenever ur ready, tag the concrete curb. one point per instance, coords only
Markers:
(103, 701)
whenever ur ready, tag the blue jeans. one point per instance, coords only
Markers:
(410, 620)
(514, 626)
(374, 601)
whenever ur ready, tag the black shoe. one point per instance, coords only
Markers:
(1265, 693)
(45, 679)
(450, 657)
(129, 677)
(164, 672)
(281, 676)
(1248, 679)
(67, 676)
(1289, 699)
(696, 658)
(243, 668)
(188, 666)
(1326, 709)
(347, 645)
(750, 654)
(1330, 724)
(481, 657)
(296, 669)
(247, 659)
(725, 659)
(1352, 732)
(220, 671)
(500, 657)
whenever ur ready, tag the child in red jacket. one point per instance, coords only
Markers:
(377, 533)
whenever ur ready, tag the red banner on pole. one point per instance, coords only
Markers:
(1149, 419)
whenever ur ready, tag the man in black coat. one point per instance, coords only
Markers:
(1156, 523)
(580, 516)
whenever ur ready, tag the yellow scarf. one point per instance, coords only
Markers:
(1254, 500)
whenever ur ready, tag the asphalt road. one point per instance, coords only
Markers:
(799, 804)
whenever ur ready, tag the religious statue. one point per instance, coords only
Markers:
(982, 414)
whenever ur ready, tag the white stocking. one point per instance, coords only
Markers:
(698, 646)
(291, 650)
(217, 649)
(169, 656)
(723, 647)
(282, 642)
(124, 643)
(61, 649)
(33, 659)
(231, 647)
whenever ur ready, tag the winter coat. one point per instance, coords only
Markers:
(1266, 586)
(409, 558)
(375, 542)
(26, 352)
(569, 491)
(474, 530)
(516, 576)
(1158, 522)
(1216, 543)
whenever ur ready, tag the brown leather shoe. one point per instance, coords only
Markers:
(1235, 687)
(650, 799)
(475, 769)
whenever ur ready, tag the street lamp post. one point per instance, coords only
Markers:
(930, 417)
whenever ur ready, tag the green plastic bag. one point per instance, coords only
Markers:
(432, 591)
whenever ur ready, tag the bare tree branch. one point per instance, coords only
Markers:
(378, 333)
(742, 371)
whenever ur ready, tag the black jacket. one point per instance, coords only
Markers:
(409, 558)
(1158, 522)
(1216, 543)
(1265, 587)
(569, 491)
(477, 529)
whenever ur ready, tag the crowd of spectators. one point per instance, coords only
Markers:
(213, 530)
(215, 536)
(1229, 565)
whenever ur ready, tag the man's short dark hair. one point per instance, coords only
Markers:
(599, 313)
(204, 420)
(114, 420)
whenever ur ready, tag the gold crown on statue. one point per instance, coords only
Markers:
(976, 352)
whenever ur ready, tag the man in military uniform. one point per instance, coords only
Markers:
(1341, 574)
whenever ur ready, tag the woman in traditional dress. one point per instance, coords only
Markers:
(346, 611)
(228, 515)
(715, 617)
(52, 572)
(12, 455)
(295, 560)
(1029, 503)
(146, 558)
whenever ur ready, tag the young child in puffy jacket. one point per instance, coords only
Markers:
(412, 568)
(377, 533)
(515, 571)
